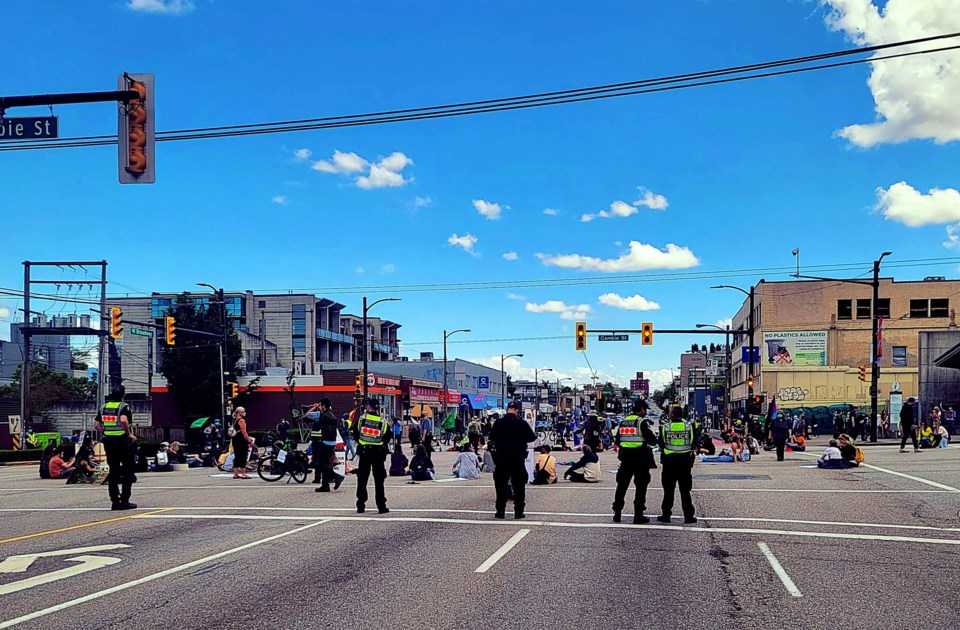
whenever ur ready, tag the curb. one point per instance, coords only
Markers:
(36, 463)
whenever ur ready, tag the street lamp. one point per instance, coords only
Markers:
(445, 335)
(726, 338)
(536, 386)
(560, 380)
(366, 341)
(222, 346)
(749, 294)
(503, 378)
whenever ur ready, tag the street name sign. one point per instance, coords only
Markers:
(613, 337)
(143, 332)
(32, 128)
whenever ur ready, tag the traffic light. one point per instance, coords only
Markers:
(581, 339)
(863, 372)
(116, 323)
(749, 386)
(234, 387)
(646, 334)
(135, 130)
(358, 381)
(170, 330)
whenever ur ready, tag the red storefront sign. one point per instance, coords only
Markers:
(423, 392)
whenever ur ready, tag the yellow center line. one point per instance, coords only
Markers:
(81, 526)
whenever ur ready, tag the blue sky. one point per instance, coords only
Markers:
(706, 179)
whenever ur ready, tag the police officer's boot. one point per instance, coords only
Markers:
(616, 516)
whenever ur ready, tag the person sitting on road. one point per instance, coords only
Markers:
(848, 451)
(545, 467)
(943, 437)
(706, 446)
(421, 468)
(467, 465)
(60, 467)
(398, 461)
(488, 465)
(926, 436)
(799, 444)
(831, 458)
(164, 462)
(586, 470)
(48, 454)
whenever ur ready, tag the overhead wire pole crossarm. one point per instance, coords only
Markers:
(72, 98)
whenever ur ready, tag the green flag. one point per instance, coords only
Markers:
(450, 422)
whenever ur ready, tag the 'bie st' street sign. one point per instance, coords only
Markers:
(613, 337)
(32, 128)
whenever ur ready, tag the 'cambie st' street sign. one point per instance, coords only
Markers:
(32, 128)
(613, 337)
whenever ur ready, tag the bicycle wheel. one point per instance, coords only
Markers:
(299, 471)
(552, 436)
(270, 470)
(542, 435)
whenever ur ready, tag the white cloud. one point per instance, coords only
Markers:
(953, 237)
(488, 209)
(551, 212)
(640, 257)
(651, 200)
(167, 7)
(359, 269)
(659, 378)
(4, 312)
(422, 202)
(567, 311)
(510, 256)
(302, 154)
(902, 202)
(631, 303)
(617, 209)
(723, 323)
(514, 296)
(388, 268)
(341, 163)
(516, 370)
(914, 97)
(466, 242)
(280, 199)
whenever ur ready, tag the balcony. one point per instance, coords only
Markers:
(323, 333)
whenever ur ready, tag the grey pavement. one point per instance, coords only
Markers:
(862, 548)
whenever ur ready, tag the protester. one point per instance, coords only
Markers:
(467, 465)
(906, 427)
(545, 467)
(45, 458)
(706, 446)
(511, 434)
(241, 442)
(848, 451)
(488, 465)
(398, 462)
(943, 437)
(60, 467)
(926, 436)
(780, 431)
(831, 458)
(397, 427)
(799, 444)
(421, 468)
(347, 434)
(414, 435)
(586, 469)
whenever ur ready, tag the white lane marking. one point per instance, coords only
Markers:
(780, 571)
(502, 551)
(150, 578)
(19, 564)
(497, 523)
(911, 477)
(87, 563)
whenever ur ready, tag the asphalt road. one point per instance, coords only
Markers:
(876, 547)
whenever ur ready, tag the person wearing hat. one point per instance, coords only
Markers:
(677, 438)
(115, 421)
(511, 434)
(373, 435)
(906, 427)
(592, 429)
(635, 440)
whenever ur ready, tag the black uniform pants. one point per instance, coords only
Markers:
(511, 472)
(908, 430)
(120, 452)
(677, 470)
(372, 459)
(632, 469)
(323, 472)
(781, 445)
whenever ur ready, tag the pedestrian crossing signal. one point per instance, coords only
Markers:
(581, 338)
(646, 334)
(863, 372)
(116, 322)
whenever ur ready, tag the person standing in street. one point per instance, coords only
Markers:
(346, 432)
(635, 439)
(115, 420)
(676, 441)
(906, 427)
(325, 441)
(242, 442)
(511, 434)
(373, 434)
(779, 433)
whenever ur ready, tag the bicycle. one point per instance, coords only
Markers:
(284, 459)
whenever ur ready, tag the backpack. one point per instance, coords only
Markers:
(859, 458)
(45, 469)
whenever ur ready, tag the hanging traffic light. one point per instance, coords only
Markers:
(863, 372)
(234, 388)
(581, 338)
(646, 334)
(135, 130)
(116, 323)
(358, 382)
(170, 330)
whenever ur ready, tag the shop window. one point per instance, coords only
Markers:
(940, 308)
(918, 308)
(899, 356)
(844, 309)
(883, 307)
(863, 309)
(262, 304)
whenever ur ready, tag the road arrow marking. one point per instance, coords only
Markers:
(87, 563)
(19, 564)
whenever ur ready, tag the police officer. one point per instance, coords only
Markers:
(634, 439)
(373, 434)
(677, 438)
(115, 421)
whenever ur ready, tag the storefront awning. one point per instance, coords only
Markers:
(949, 359)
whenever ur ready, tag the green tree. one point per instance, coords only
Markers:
(664, 395)
(48, 387)
(192, 365)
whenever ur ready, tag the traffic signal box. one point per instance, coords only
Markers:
(234, 389)
(863, 372)
(646, 334)
(170, 330)
(116, 322)
(358, 381)
(581, 336)
(135, 131)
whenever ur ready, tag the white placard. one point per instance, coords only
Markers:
(281, 456)
(16, 427)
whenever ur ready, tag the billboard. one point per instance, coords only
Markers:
(798, 348)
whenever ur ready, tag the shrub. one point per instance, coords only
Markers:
(29, 455)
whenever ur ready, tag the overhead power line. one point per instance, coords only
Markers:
(613, 90)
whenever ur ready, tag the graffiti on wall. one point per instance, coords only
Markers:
(792, 393)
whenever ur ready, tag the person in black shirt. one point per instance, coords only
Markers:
(324, 447)
(511, 434)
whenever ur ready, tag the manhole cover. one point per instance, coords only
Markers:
(736, 477)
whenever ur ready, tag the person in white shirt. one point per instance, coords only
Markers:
(943, 436)
(831, 457)
(467, 466)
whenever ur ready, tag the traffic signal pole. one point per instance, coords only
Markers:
(72, 98)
